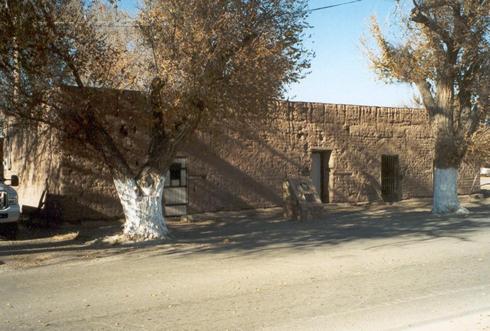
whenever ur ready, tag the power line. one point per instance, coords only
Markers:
(332, 6)
(129, 24)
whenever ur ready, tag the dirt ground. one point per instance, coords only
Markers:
(366, 267)
(241, 231)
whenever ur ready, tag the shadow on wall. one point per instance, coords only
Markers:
(32, 154)
(286, 138)
(225, 186)
(273, 141)
(356, 174)
(369, 183)
(257, 156)
(88, 189)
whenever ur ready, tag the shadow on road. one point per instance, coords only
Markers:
(255, 231)
(266, 231)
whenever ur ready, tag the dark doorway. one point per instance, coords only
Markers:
(390, 178)
(175, 193)
(320, 173)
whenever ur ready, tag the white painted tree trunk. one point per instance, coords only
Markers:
(445, 200)
(143, 210)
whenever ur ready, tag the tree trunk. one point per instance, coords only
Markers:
(445, 199)
(142, 208)
(449, 152)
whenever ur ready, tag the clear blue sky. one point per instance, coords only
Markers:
(340, 71)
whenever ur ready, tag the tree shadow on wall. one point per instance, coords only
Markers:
(231, 185)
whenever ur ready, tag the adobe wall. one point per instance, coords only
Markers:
(87, 190)
(32, 152)
(242, 164)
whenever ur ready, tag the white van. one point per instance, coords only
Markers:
(9, 208)
(485, 171)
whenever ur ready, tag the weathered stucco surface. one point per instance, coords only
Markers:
(244, 164)
(32, 152)
(240, 164)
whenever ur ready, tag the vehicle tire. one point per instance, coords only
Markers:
(9, 230)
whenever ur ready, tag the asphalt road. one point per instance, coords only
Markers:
(418, 280)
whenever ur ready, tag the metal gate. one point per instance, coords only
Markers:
(175, 194)
(390, 178)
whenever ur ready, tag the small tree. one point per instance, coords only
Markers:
(196, 61)
(445, 53)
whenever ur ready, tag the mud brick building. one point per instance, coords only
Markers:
(352, 154)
